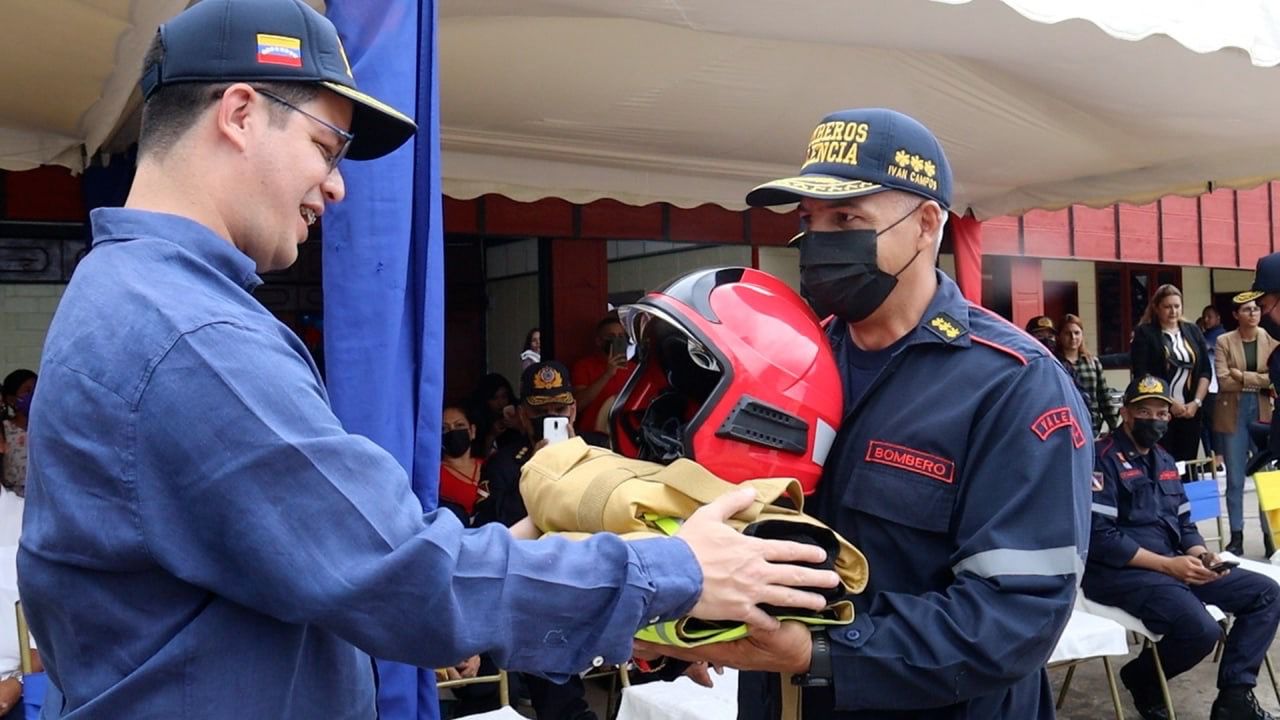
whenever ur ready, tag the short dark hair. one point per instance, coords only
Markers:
(14, 380)
(173, 109)
(609, 319)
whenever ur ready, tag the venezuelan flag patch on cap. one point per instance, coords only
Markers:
(279, 50)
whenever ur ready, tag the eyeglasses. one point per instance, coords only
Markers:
(1250, 310)
(344, 137)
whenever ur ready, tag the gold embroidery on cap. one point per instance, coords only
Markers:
(914, 169)
(547, 379)
(836, 142)
(822, 186)
(1150, 385)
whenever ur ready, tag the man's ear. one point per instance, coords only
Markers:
(932, 217)
(233, 114)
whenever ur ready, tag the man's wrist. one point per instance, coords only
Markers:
(820, 672)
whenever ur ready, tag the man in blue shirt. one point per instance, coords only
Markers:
(961, 469)
(202, 537)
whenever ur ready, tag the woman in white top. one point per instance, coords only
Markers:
(532, 352)
(19, 388)
(1168, 347)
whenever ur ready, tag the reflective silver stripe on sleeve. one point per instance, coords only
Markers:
(1106, 510)
(1006, 561)
(1184, 508)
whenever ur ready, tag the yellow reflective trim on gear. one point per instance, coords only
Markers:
(691, 632)
(668, 526)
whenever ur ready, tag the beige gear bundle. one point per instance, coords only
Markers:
(573, 488)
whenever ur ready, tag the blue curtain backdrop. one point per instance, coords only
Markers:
(383, 279)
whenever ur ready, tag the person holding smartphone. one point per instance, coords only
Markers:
(601, 375)
(1147, 558)
(545, 414)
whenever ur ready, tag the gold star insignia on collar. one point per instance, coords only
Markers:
(945, 327)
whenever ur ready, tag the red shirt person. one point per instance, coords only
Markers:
(459, 471)
(599, 377)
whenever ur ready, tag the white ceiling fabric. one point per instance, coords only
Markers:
(696, 101)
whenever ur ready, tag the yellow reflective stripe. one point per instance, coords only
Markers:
(668, 526)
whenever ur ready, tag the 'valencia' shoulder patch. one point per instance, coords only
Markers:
(1055, 420)
(946, 327)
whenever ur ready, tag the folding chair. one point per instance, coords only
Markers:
(618, 678)
(1089, 637)
(1137, 627)
(35, 684)
(504, 691)
(1206, 504)
(1268, 486)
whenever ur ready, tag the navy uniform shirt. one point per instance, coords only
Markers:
(1138, 502)
(963, 474)
(203, 539)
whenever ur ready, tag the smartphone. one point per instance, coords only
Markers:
(618, 346)
(1224, 566)
(555, 428)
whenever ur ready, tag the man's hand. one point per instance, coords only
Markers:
(10, 694)
(787, 649)
(469, 667)
(1189, 570)
(525, 529)
(740, 572)
(616, 363)
(700, 673)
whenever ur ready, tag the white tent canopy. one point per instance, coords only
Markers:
(69, 75)
(695, 101)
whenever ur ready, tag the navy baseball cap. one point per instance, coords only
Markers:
(1147, 386)
(1040, 322)
(546, 382)
(1267, 277)
(864, 151)
(273, 41)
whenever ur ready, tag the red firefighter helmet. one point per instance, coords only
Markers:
(735, 373)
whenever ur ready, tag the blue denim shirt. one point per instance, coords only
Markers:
(203, 539)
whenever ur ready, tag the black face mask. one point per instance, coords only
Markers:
(1146, 432)
(839, 275)
(456, 443)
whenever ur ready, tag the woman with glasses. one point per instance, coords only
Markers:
(1241, 363)
(1168, 347)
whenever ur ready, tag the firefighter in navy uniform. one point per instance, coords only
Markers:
(1147, 558)
(961, 469)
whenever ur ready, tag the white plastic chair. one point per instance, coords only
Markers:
(1137, 627)
(1089, 637)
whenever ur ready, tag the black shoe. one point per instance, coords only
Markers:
(1236, 545)
(1238, 703)
(1150, 703)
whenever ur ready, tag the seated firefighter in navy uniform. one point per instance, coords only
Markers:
(1147, 558)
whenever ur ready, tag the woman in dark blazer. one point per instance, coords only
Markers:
(1168, 347)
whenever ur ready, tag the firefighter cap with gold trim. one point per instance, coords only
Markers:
(1147, 386)
(864, 151)
(546, 382)
(272, 41)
